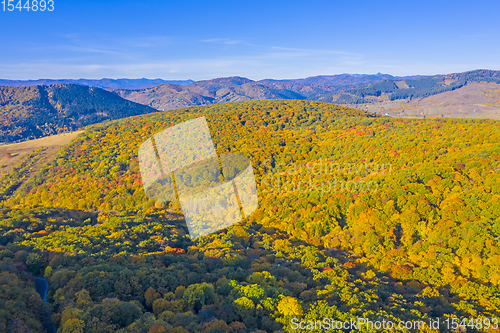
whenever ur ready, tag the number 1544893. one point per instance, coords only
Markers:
(27, 5)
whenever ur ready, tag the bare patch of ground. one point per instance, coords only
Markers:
(401, 84)
(12, 154)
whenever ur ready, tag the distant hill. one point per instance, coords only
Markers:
(37, 111)
(220, 83)
(222, 90)
(102, 83)
(344, 80)
(474, 100)
(419, 87)
(344, 89)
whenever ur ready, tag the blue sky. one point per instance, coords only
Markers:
(256, 39)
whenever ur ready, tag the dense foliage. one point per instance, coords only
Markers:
(359, 216)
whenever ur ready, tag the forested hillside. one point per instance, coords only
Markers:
(419, 87)
(359, 216)
(38, 111)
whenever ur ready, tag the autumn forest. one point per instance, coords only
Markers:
(359, 215)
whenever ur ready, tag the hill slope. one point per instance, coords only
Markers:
(420, 87)
(359, 216)
(37, 111)
(168, 96)
(474, 100)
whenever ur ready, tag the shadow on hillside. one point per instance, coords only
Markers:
(437, 304)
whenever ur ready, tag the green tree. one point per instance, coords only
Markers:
(197, 295)
(73, 326)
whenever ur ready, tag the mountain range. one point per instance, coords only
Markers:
(35, 111)
(343, 89)
(102, 83)
(233, 89)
